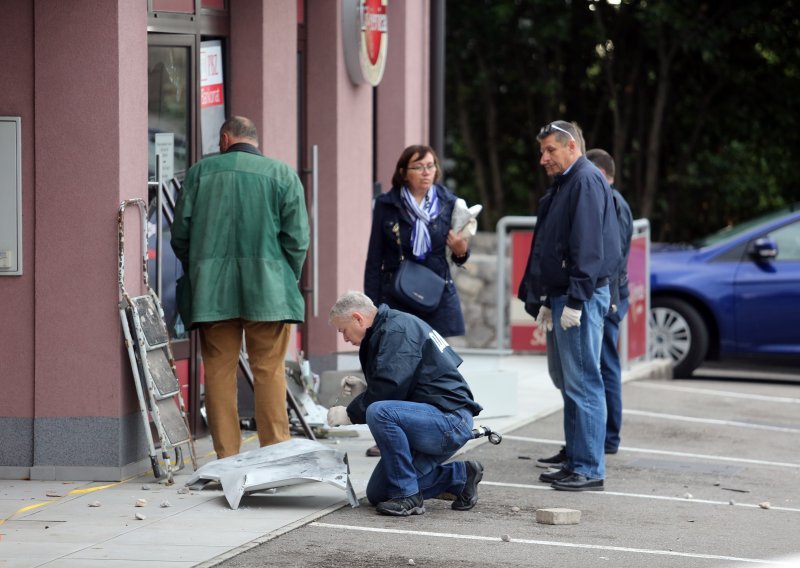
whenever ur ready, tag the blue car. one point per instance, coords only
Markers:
(734, 293)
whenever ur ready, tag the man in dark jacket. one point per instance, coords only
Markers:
(610, 366)
(575, 250)
(418, 407)
(241, 233)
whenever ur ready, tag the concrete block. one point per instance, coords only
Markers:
(558, 516)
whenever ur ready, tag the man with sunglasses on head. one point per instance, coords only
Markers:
(574, 252)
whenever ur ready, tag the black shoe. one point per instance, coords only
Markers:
(578, 482)
(373, 452)
(612, 450)
(469, 496)
(554, 461)
(555, 475)
(402, 506)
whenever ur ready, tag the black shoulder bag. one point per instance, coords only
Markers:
(415, 286)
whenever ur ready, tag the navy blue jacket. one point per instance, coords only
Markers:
(576, 246)
(619, 281)
(404, 359)
(383, 258)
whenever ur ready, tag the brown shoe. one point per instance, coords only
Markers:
(374, 452)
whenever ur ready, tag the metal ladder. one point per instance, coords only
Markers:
(152, 362)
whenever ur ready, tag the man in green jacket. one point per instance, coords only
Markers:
(241, 233)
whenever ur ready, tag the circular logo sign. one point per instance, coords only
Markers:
(366, 37)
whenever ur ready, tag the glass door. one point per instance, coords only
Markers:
(171, 92)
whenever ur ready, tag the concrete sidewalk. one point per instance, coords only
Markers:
(83, 524)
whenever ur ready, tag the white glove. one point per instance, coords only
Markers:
(352, 385)
(337, 416)
(570, 318)
(544, 318)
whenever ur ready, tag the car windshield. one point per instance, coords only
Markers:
(732, 230)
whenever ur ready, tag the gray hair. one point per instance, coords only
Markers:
(564, 132)
(239, 127)
(351, 302)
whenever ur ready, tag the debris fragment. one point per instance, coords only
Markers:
(734, 489)
(524, 457)
(505, 538)
(184, 491)
(764, 505)
(731, 502)
(94, 504)
(687, 496)
(165, 504)
(140, 516)
(411, 562)
(54, 494)
(145, 488)
(515, 509)
(141, 503)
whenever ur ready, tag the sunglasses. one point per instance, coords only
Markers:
(549, 128)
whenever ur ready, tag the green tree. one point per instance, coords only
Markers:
(697, 101)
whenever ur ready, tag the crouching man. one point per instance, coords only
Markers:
(418, 407)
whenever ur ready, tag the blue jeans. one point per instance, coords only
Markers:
(415, 439)
(574, 364)
(611, 370)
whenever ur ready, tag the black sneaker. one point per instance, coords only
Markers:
(402, 506)
(554, 461)
(554, 475)
(469, 495)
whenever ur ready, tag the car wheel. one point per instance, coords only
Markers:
(677, 332)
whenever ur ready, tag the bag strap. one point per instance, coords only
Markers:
(396, 231)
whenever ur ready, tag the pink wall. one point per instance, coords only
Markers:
(91, 114)
(403, 95)
(264, 72)
(16, 292)
(340, 123)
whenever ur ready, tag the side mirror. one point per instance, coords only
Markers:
(764, 248)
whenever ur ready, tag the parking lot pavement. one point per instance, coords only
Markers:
(708, 475)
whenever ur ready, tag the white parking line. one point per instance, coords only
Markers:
(644, 496)
(711, 421)
(625, 449)
(713, 392)
(548, 543)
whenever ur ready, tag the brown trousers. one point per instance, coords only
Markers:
(266, 349)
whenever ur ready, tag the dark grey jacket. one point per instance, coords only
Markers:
(403, 358)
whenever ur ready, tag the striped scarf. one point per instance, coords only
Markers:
(422, 215)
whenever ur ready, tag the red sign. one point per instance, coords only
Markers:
(211, 95)
(365, 34)
(637, 284)
(375, 27)
(525, 334)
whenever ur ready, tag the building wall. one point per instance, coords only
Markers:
(72, 411)
(68, 408)
(17, 292)
(264, 72)
(340, 124)
(403, 95)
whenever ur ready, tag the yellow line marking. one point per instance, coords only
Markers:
(73, 492)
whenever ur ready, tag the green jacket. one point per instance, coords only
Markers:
(241, 233)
